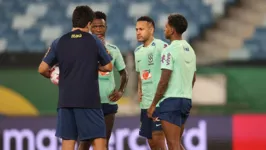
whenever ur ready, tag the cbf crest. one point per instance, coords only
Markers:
(150, 59)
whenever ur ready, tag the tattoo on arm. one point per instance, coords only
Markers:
(123, 79)
(162, 86)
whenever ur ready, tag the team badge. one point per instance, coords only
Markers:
(150, 59)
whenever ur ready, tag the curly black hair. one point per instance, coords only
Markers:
(100, 15)
(178, 22)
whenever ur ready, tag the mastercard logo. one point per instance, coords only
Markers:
(14, 104)
(146, 75)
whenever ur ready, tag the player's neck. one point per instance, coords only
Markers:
(148, 42)
(175, 37)
(81, 29)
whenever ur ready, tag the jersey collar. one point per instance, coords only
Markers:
(151, 44)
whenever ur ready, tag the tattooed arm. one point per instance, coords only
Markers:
(123, 80)
(117, 94)
(121, 67)
(162, 86)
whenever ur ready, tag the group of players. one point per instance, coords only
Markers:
(87, 95)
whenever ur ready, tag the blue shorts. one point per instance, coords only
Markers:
(109, 108)
(80, 124)
(175, 110)
(147, 125)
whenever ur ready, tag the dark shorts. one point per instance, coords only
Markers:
(109, 108)
(80, 124)
(147, 125)
(175, 110)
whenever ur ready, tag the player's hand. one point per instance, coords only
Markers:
(115, 95)
(140, 96)
(150, 111)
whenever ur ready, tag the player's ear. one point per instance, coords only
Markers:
(89, 25)
(172, 31)
(152, 30)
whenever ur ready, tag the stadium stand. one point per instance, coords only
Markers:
(31, 25)
(240, 35)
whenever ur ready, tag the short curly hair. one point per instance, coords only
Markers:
(100, 15)
(178, 22)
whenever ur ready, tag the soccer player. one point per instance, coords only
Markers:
(79, 55)
(147, 62)
(178, 76)
(108, 94)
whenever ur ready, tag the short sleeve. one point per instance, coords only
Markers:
(136, 63)
(119, 61)
(50, 56)
(195, 63)
(167, 61)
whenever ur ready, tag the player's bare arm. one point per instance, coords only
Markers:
(116, 95)
(194, 80)
(123, 78)
(162, 86)
(106, 68)
(44, 69)
(139, 88)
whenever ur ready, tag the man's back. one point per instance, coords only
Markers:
(181, 59)
(77, 55)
